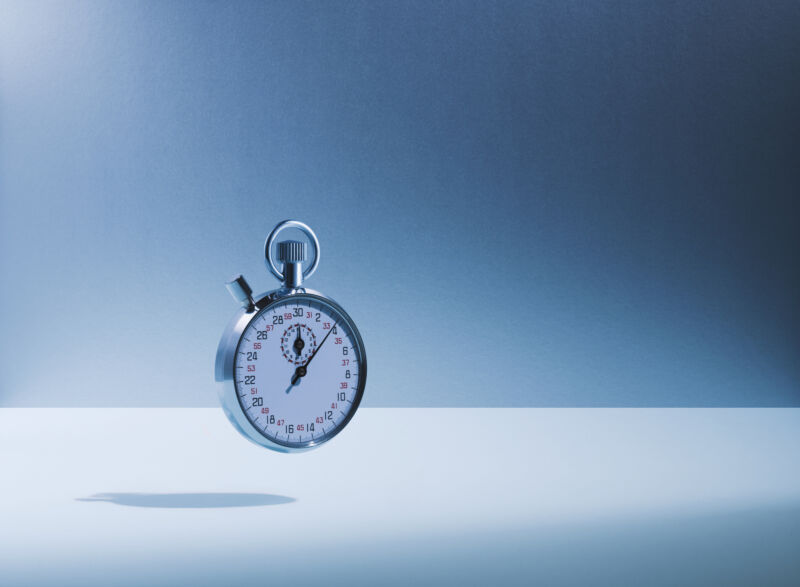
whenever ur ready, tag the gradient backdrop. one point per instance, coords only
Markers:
(520, 204)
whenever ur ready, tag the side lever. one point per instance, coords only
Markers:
(241, 292)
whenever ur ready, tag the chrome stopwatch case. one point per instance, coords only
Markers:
(291, 363)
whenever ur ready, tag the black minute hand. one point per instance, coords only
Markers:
(301, 370)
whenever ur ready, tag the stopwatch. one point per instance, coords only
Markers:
(291, 363)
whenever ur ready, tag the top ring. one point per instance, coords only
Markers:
(271, 238)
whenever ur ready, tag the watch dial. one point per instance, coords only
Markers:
(298, 370)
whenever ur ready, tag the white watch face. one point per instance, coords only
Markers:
(297, 370)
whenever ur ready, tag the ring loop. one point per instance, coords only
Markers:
(271, 238)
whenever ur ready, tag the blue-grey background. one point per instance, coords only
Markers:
(538, 203)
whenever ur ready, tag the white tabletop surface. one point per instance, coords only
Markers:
(425, 496)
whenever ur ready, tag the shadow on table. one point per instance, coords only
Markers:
(190, 500)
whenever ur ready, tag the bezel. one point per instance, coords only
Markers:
(224, 369)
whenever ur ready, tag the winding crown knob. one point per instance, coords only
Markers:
(291, 251)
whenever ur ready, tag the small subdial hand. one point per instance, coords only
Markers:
(299, 343)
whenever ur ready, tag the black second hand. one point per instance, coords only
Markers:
(301, 370)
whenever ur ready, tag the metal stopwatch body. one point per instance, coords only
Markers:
(291, 363)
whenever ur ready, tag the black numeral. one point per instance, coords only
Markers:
(345, 351)
(272, 419)
(258, 401)
(290, 428)
(317, 318)
(342, 397)
(261, 335)
(329, 415)
(347, 374)
(249, 379)
(252, 356)
(298, 312)
(277, 319)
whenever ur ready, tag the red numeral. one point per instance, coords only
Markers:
(268, 327)
(345, 362)
(265, 410)
(343, 385)
(257, 346)
(308, 314)
(333, 405)
(326, 326)
(253, 390)
(319, 420)
(280, 422)
(251, 368)
(338, 340)
(300, 427)
(287, 316)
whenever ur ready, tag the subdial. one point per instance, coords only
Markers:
(298, 343)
